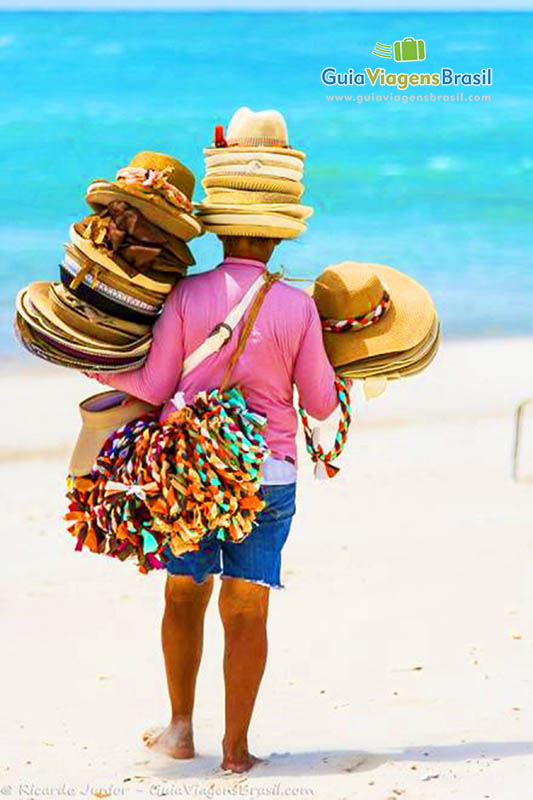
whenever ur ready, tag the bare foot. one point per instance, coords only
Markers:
(241, 763)
(175, 741)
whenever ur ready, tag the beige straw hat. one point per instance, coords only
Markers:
(253, 179)
(85, 269)
(160, 186)
(220, 195)
(102, 414)
(38, 346)
(261, 131)
(370, 310)
(395, 366)
(297, 212)
(85, 318)
(34, 306)
(99, 255)
(256, 183)
(283, 229)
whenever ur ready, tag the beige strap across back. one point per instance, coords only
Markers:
(223, 332)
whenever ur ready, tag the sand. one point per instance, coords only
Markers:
(401, 650)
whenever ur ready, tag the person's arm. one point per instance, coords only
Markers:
(156, 380)
(313, 374)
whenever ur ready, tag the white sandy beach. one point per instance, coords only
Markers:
(401, 651)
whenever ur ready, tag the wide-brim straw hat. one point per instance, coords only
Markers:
(160, 186)
(84, 318)
(257, 168)
(252, 160)
(82, 273)
(102, 414)
(396, 365)
(257, 130)
(45, 350)
(223, 196)
(34, 306)
(351, 293)
(256, 183)
(298, 212)
(175, 255)
(82, 323)
(265, 226)
(163, 283)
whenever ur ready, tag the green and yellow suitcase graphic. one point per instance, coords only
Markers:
(409, 49)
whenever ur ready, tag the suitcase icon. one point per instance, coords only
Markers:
(410, 49)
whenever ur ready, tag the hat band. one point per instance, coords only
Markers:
(362, 321)
(258, 141)
(150, 180)
(91, 280)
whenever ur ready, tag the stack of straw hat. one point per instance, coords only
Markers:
(253, 179)
(119, 265)
(377, 322)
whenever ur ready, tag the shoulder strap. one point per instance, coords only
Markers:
(269, 279)
(224, 330)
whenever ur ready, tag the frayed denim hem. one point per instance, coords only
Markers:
(254, 580)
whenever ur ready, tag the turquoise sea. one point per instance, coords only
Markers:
(439, 189)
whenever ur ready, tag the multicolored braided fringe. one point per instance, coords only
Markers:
(323, 466)
(358, 323)
(161, 488)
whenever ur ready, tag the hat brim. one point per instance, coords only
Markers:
(405, 325)
(41, 298)
(268, 172)
(247, 148)
(64, 338)
(393, 371)
(102, 414)
(157, 210)
(82, 316)
(382, 365)
(226, 158)
(219, 216)
(107, 303)
(221, 196)
(255, 183)
(295, 211)
(254, 230)
(43, 350)
(80, 260)
(99, 256)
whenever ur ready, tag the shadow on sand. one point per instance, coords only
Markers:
(328, 762)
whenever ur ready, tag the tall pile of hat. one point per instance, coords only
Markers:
(377, 322)
(119, 265)
(253, 179)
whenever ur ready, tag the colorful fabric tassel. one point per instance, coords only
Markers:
(195, 476)
(324, 469)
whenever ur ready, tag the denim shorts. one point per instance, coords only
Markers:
(258, 557)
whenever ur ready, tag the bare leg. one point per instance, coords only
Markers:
(244, 610)
(182, 636)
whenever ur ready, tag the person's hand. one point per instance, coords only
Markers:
(94, 375)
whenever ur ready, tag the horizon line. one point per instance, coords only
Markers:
(282, 9)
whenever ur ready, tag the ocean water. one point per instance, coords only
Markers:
(441, 190)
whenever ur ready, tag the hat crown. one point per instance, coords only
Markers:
(347, 290)
(260, 128)
(181, 177)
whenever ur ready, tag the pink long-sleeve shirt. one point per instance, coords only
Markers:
(284, 349)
